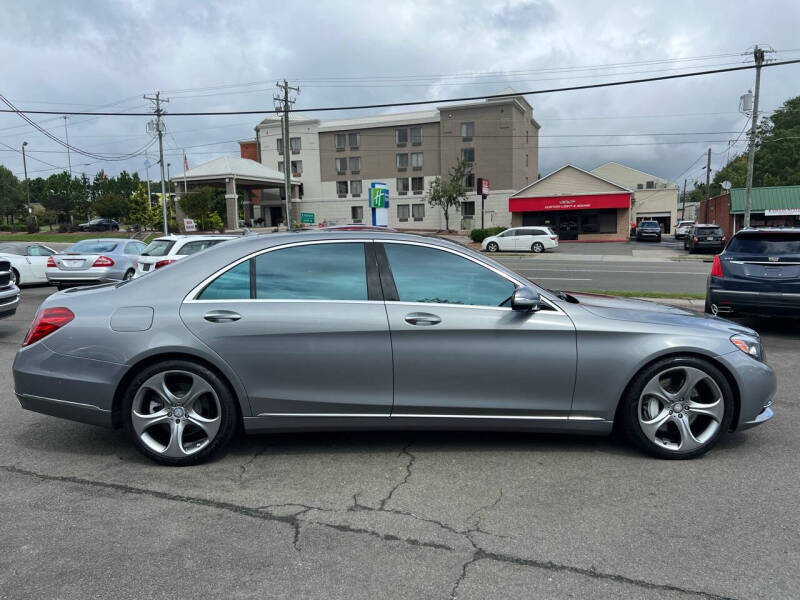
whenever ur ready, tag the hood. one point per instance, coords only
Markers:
(646, 311)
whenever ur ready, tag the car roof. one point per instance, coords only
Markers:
(769, 230)
(177, 237)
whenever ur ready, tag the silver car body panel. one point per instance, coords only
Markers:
(305, 365)
(76, 268)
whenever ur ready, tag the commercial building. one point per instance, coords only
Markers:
(654, 199)
(338, 160)
(776, 206)
(576, 204)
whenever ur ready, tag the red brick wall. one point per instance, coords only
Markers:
(250, 150)
(719, 212)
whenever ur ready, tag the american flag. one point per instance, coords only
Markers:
(185, 163)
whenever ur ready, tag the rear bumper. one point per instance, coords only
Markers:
(78, 389)
(709, 246)
(755, 303)
(90, 276)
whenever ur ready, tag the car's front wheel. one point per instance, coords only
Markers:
(179, 412)
(678, 408)
(492, 247)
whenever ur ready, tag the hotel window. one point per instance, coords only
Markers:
(341, 165)
(416, 136)
(401, 136)
(417, 184)
(279, 142)
(468, 209)
(467, 131)
(297, 167)
(402, 212)
(357, 213)
(294, 145)
(355, 188)
(468, 154)
(341, 189)
(418, 211)
(355, 164)
(469, 181)
(402, 162)
(650, 185)
(340, 139)
(402, 185)
(416, 161)
(355, 140)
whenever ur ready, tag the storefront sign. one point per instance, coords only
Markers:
(189, 225)
(306, 217)
(546, 203)
(781, 212)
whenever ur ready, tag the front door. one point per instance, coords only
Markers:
(460, 351)
(568, 227)
(301, 329)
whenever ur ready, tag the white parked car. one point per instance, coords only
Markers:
(28, 261)
(683, 228)
(166, 250)
(522, 239)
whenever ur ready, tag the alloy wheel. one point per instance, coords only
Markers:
(176, 413)
(681, 409)
(492, 247)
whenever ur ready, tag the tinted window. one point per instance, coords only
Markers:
(192, 247)
(428, 275)
(649, 225)
(39, 251)
(92, 246)
(313, 272)
(158, 248)
(708, 231)
(532, 232)
(768, 244)
(508, 233)
(134, 248)
(233, 284)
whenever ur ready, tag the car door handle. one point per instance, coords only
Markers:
(222, 316)
(422, 318)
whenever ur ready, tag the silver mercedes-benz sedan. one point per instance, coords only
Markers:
(95, 261)
(370, 330)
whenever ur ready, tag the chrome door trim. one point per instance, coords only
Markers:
(62, 402)
(438, 416)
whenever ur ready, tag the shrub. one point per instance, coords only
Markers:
(478, 235)
(32, 226)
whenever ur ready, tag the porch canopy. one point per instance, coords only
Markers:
(233, 173)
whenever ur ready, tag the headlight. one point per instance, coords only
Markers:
(749, 345)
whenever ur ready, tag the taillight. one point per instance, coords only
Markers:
(164, 263)
(103, 261)
(554, 237)
(46, 322)
(51, 262)
(694, 239)
(716, 268)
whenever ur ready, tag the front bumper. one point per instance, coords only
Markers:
(69, 387)
(9, 301)
(757, 385)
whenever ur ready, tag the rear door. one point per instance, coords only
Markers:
(304, 327)
(764, 261)
(458, 349)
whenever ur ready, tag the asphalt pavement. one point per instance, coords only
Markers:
(398, 515)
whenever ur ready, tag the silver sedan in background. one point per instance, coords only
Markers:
(94, 261)
(373, 330)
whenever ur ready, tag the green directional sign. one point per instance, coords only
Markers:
(307, 217)
(378, 197)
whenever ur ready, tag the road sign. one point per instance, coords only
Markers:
(306, 217)
(189, 225)
(484, 187)
(378, 197)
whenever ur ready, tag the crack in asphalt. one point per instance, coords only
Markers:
(250, 461)
(294, 520)
(409, 465)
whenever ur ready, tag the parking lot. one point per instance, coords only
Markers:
(398, 515)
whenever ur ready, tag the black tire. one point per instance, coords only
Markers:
(537, 248)
(492, 247)
(229, 412)
(128, 275)
(659, 239)
(15, 275)
(630, 407)
(707, 306)
(59, 287)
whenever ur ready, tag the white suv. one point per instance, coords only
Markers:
(683, 228)
(522, 239)
(166, 250)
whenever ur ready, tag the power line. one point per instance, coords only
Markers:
(423, 102)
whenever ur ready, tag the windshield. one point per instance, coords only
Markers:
(771, 244)
(649, 225)
(93, 246)
(158, 248)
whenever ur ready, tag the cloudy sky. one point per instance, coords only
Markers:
(85, 55)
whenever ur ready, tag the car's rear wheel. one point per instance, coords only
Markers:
(538, 247)
(128, 274)
(678, 408)
(179, 412)
(492, 247)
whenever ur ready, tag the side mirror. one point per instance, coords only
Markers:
(525, 299)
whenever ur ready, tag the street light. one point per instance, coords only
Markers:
(27, 183)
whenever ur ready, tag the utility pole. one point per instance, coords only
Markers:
(27, 183)
(66, 134)
(708, 184)
(157, 126)
(758, 56)
(282, 104)
(683, 206)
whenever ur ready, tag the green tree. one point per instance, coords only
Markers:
(111, 206)
(140, 212)
(199, 204)
(12, 194)
(449, 193)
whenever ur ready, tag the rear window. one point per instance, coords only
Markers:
(158, 248)
(771, 244)
(92, 246)
(708, 231)
(196, 246)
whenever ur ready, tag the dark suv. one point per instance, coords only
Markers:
(758, 274)
(704, 237)
(648, 230)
